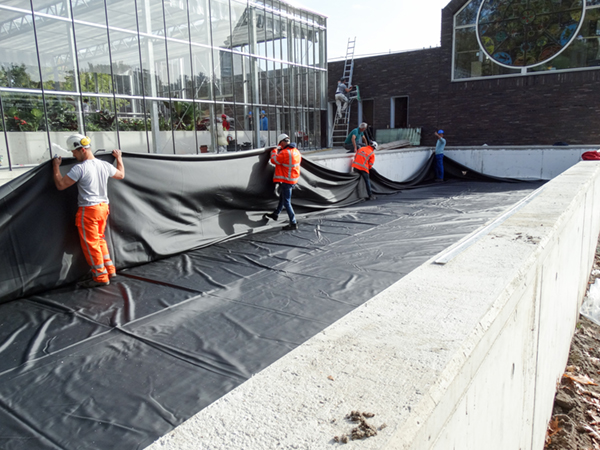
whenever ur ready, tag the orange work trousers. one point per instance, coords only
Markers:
(91, 223)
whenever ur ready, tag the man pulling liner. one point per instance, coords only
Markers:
(286, 158)
(363, 162)
(91, 176)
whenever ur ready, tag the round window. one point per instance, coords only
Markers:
(526, 33)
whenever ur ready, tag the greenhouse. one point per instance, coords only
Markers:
(158, 76)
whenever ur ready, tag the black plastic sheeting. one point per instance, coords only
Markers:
(119, 366)
(166, 205)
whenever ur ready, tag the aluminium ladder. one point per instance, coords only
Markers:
(341, 125)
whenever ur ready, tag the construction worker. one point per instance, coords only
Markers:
(363, 161)
(340, 97)
(286, 158)
(356, 139)
(91, 176)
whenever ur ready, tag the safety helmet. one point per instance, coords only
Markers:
(374, 145)
(282, 137)
(78, 140)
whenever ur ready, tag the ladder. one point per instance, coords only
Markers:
(341, 125)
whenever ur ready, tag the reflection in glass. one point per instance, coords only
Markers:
(180, 70)
(470, 61)
(527, 34)
(126, 66)
(64, 113)
(56, 53)
(154, 66)
(93, 58)
(240, 38)
(18, 57)
(121, 14)
(202, 72)
(223, 75)
(221, 27)
(199, 22)
(101, 114)
(468, 15)
(53, 7)
(23, 115)
(585, 49)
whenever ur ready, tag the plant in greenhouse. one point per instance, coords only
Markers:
(18, 119)
(16, 76)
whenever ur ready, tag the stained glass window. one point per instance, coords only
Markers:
(527, 33)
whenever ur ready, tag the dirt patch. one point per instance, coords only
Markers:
(575, 423)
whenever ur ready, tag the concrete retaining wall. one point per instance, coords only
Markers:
(457, 356)
(527, 163)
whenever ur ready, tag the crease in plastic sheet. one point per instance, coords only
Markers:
(130, 361)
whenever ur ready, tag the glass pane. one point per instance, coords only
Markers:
(202, 72)
(311, 40)
(223, 75)
(199, 14)
(128, 79)
(176, 18)
(4, 159)
(25, 125)
(56, 53)
(203, 133)
(90, 11)
(277, 35)
(242, 80)
(584, 51)
(239, 24)
(593, 2)
(53, 7)
(101, 115)
(180, 70)
(184, 116)
(18, 56)
(94, 61)
(312, 93)
(122, 15)
(64, 113)
(150, 17)
(154, 67)
(470, 61)
(221, 28)
(468, 15)
(160, 132)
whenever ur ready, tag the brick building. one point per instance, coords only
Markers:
(461, 88)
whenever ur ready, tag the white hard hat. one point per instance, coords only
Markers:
(78, 140)
(374, 145)
(282, 137)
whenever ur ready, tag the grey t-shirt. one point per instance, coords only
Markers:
(341, 89)
(92, 177)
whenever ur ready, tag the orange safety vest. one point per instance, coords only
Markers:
(364, 158)
(287, 165)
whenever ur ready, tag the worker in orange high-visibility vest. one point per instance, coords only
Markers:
(286, 158)
(91, 176)
(363, 161)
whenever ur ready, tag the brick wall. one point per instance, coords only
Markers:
(523, 110)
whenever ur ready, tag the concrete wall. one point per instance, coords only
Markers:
(464, 355)
(523, 162)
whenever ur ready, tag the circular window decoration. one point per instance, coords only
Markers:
(527, 33)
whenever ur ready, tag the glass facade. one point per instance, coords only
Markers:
(519, 38)
(158, 76)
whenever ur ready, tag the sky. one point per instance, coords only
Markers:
(380, 26)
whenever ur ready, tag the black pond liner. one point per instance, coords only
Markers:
(195, 312)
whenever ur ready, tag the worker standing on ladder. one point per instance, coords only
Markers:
(340, 97)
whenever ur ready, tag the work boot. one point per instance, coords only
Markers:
(271, 216)
(371, 197)
(291, 226)
(88, 284)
